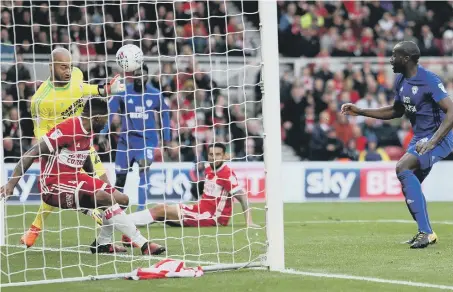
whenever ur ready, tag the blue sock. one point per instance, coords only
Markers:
(142, 190)
(415, 200)
(408, 207)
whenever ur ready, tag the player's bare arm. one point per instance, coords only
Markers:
(23, 165)
(383, 113)
(88, 166)
(242, 198)
(445, 127)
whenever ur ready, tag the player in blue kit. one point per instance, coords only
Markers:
(421, 95)
(139, 136)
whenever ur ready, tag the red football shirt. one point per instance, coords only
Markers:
(69, 144)
(219, 188)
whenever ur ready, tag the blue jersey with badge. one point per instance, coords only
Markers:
(420, 96)
(138, 114)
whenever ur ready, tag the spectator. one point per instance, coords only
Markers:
(427, 45)
(18, 72)
(101, 72)
(334, 146)
(373, 153)
(447, 40)
(343, 129)
(287, 18)
(351, 150)
(6, 44)
(291, 113)
(11, 152)
(319, 139)
(368, 102)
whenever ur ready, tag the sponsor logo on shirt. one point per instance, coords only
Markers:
(57, 133)
(441, 86)
(70, 111)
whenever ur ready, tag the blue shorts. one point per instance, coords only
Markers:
(131, 151)
(428, 159)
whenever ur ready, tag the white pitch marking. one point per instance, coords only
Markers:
(367, 279)
(339, 221)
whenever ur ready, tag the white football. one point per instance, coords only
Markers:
(129, 58)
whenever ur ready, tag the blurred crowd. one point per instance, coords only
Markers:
(201, 110)
(200, 113)
(311, 119)
(363, 28)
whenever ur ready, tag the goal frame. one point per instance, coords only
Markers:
(274, 258)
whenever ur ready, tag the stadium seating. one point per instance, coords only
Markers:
(350, 29)
(166, 30)
(306, 29)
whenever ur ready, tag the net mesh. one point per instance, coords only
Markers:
(204, 58)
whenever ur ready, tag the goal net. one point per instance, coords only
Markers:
(206, 57)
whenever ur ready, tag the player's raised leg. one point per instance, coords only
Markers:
(113, 202)
(158, 213)
(169, 214)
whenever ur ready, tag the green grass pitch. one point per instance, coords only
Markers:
(359, 239)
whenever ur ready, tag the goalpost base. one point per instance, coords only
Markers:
(211, 268)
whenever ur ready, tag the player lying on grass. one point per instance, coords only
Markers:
(64, 151)
(58, 98)
(214, 208)
(421, 95)
(139, 134)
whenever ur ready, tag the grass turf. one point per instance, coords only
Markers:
(319, 237)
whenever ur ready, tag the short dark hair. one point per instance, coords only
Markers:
(410, 49)
(95, 106)
(218, 145)
(142, 70)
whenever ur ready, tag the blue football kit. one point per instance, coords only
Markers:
(420, 96)
(139, 135)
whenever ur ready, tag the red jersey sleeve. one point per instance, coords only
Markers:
(230, 182)
(62, 134)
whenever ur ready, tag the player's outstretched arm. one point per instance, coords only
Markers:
(242, 198)
(23, 165)
(111, 88)
(446, 104)
(383, 113)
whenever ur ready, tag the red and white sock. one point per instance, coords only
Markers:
(142, 218)
(116, 217)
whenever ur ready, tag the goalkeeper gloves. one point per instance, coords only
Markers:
(95, 214)
(113, 87)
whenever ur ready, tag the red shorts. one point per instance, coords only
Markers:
(196, 216)
(73, 191)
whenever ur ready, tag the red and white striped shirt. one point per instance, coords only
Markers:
(219, 188)
(69, 144)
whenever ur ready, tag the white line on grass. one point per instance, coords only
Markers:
(367, 279)
(287, 271)
(339, 221)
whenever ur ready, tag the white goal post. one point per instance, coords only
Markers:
(61, 253)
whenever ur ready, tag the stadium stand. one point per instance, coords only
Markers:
(307, 29)
(26, 30)
(311, 100)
